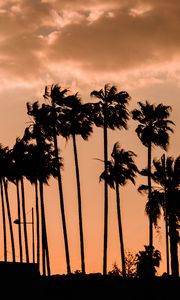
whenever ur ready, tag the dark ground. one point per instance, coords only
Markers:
(92, 286)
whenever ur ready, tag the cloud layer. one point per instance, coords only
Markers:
(93, 37)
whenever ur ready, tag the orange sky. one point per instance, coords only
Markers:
(83, 45)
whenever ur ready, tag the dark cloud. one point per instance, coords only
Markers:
(100, 36)
(122, 41)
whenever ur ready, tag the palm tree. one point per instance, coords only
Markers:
(167, 175)
(32, 172)
(4, 221)
(75, 121)
(5, 171)
(121, 169)
(3, 166)
(153, 129)
(110, 112)
(18, 156)
(35, 131)
(5, 184)
(56, 97)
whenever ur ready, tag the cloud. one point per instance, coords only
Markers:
(124, 41)
(93, 37)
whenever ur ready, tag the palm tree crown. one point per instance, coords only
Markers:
(154, 125)
(112, 106)
(121, 167)
(74, 120)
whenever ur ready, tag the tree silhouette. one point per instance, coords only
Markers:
(35, 131)
(4, 220)
(110, 112)
(3, 170)
(153, 129)
(18, 156)
(121, 169)
(32, 174)
(147, 261)
(75, 121)
(56, 96)
(167, 175)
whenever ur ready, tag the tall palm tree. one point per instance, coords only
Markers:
(121, 169)
(32, 172)
(5, 184)
(110, 112)
(35, 131)
(56, 96)
(18, 156)
(3, 166)
(153, 130)
(4, 221)
(5, 171)
(75, 121)
(167, 175)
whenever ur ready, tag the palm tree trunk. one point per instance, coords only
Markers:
(61, 197)
(37, 224)
(45, 249)
(173, 245)
(19, 218)
(24, 220)
(149, 198)
(105, 197)
(165, 207)
(4, 222)
(166, 232)
(120, 230)
(9, 220)
(79, 205)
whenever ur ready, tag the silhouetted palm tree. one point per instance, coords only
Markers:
(5, 184)
(32, 172)
(167, 174)
(19, 218)
(3, 166)
(34, 131)
(121, 168)
(153, 129)
(75, 121)
(56, 97)
(5, 171)
(18, 156)
(110, 112)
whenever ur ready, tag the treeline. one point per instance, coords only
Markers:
(35, 157)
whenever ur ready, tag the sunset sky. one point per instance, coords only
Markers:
(82, 45)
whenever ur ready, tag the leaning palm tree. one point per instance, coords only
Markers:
(75, 121)
(153, 129)
(167, 175)
(110, 112)
(121, 169)
(56, 96)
